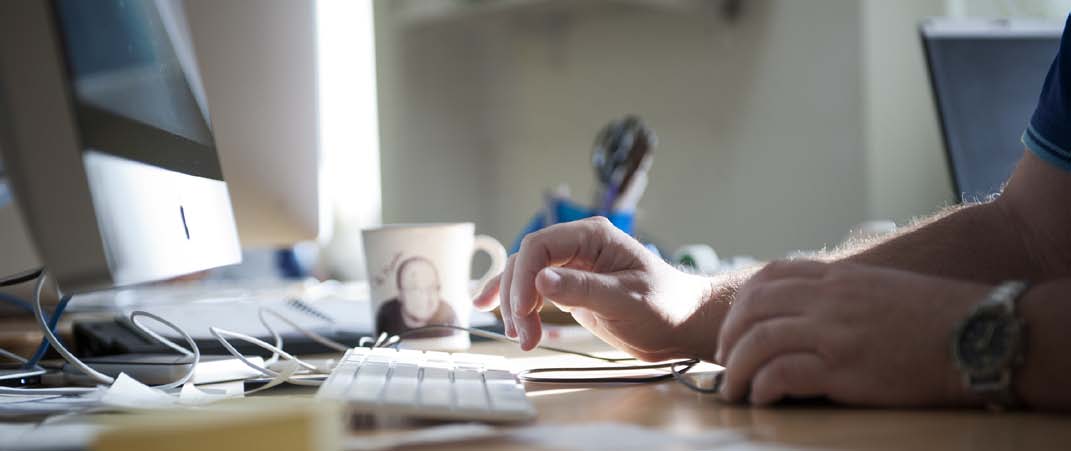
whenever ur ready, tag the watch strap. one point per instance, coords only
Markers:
(997, 389)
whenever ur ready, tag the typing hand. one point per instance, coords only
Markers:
(611, 284)
(855, 334)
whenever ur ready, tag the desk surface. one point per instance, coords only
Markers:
(670, 407)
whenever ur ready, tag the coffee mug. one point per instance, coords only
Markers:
(419, 276)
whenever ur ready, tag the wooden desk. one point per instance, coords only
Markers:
(671, 407)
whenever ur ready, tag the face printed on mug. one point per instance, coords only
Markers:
(418, 289)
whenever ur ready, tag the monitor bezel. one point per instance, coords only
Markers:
(75, 234)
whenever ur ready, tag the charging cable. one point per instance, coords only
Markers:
(102, 378)
(676, 369)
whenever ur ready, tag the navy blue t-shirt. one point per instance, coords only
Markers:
(1049, 132)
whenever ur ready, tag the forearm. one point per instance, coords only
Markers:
(978, 242)
(1022, 234)
(1042, 381)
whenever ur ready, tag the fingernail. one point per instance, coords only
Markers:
(718, 356)
(553, 279)
(523, 336)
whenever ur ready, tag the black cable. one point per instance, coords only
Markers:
(526, 375)
(712, 390)
(502, 337)
(24, 277)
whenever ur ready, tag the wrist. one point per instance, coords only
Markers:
(988, 345)
(701, 329)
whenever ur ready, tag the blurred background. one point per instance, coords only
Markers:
(781, 123)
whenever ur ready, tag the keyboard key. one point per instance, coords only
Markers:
(402, 385)
(428, 385)
(409, 356)
(507, 397)
(356, 355)
(339, 381)
(468, 385)
(435, 388)
(499, 375)
(368, 384)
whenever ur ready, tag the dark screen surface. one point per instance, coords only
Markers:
(132, 98)
(5, 192)
(986, 89)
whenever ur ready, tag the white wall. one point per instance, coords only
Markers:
(907, 174)
(433, 139)
(755, 119)
(777, 131)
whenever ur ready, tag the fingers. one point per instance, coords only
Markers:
(761, 344)
(799, 374)
(503, 293)
(589, 321)
(572, 288)
(759, 301)
(552, 246)
(529, 330)
(487, 300)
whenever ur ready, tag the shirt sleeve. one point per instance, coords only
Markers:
(1049, 133)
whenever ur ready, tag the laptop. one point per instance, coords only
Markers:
(986, 77)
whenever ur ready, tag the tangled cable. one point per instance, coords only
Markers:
(293, 371)
(50, 336)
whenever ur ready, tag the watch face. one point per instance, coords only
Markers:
(986, 341)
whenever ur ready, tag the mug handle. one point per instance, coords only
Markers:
(496, 251)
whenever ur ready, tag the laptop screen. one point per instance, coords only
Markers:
(986, 79)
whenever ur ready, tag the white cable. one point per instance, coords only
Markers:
(304, 331)
(94, 374)
(222, 334)
(278, 338)
(46, 391)
(12, 356)
(196, 354)
(51, 337)
(276, 350)
(160, 338)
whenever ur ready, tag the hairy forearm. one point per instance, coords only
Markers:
(1042, 381)
(979, 242)
(1020, 235)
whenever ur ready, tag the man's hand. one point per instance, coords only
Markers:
(855, 334)
(612, 285)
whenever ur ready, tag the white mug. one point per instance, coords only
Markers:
(419, 276)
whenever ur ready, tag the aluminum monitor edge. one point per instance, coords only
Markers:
(88, 224)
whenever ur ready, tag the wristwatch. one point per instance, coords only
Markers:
(990, 343)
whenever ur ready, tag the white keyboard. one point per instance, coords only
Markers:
(434, 385)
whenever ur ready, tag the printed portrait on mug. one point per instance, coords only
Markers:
(419, 301)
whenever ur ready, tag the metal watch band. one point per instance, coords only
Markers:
(997, 389)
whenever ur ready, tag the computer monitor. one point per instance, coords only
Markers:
(986, 77)
(258, 63)
(106, 146)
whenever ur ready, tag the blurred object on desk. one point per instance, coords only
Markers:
(622, 154)
(258, 424)
(622, 157)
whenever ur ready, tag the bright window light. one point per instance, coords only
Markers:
(349, 126)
